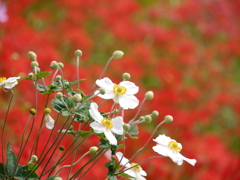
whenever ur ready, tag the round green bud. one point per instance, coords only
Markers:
(59, 95)
(61, 148)
(149, 95)
(34, 158)
(93, 150)
(61, 65)
(57, 178)
(30, 75)
(147, 119)
(78, 53)
(47, 111)
(77, 98)
(168, 119)
(102, 91)
(33, 111)
(117, 54)
(53, 65)
(66, 84)
(34, 63)
(71, 127)
(58, 78)
(126, 127)
(141, 118)
(115, 111)
(155, 114)
(126, 76)
(32, 56)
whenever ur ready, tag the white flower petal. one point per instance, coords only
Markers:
(128, 101)
(132, 173)
(163, 150)
(124, 160)
(107, 95)
(163, 140)
(105, 83)
(130, 86)
(94, 113)
(110, 136)
(190, 161)
(49, 121)
(97, 127)
(117, 123)
(143, 173)
(139, 176)
(10, 82)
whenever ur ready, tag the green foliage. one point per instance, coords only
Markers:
(11, 160)
(23, 173)
(104, 144)
(125, 175)
(42, 75)
(133, 131)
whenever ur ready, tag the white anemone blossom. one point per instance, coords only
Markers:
(8, 83)
(123, 93)
(169, 147)
(49, 121)
(135, 172)
(105, 125)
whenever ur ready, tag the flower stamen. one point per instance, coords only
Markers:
(136, 168)
(173, 145)
(107, 123)
(119, 90)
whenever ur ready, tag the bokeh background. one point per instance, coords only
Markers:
(187, 52)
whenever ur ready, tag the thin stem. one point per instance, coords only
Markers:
(54, 75)
(4, 124)
(62, 79)
(105, 68)
(144, 144)
(78, 72)
(140, 163)
(21, 150)
(139, 109)
(102, 103)
(72, 164)
(92, 164)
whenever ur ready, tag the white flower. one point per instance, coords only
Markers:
(3, 13)
(8, 83)
(107, 126)
(122, 93)
(169, 147)
(135, 172)
(49, 121)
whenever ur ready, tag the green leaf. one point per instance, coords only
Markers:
(51, 178)
(40, 87)
(23, 172)
(46, 92)
(68, 132)
(83, 111)
(104, 144)
(11, 160)
(70, 103)
(26, 78)
(75, 82)
(42, 74)
(125, 175)
(58, 104)
(66, 113)
(132, 137)
(54, 88)
(121, 146)
(119, 137)
(133, 130)
(33, 165)
(84, 133)
(2, 172)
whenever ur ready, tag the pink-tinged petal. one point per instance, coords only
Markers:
(117, 123)
(130, 86)
(128, 101)
(123, 159)
(190, 161)
(162, 150)
(97, 127)
(107, 95)
(105, 83)
(110, 136)
(49, 121)
(94, 113)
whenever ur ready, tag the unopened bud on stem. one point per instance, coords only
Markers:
(117, 54)
(149, 95)
(102, 91)
(77, 98)
(32, 56)
(58, 78)
(126, 76)
(33, 111)
(59, 95)
(147, 119)
(54, 65)
(34, 63)
(168, 119)
(61, 65)
(93, 150)
(155, 114)
(126, 127)
(47, 111)
(34, 158)
(57, 178)
(78, 53)
(61, 148)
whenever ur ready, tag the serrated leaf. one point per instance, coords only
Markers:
(11, 160)
(42, 74)
(23, 172)
(125, 175)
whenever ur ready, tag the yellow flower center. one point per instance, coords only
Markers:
(2, 79)
(107, 123)
(119, 90)
(174, 146)
(136, 168)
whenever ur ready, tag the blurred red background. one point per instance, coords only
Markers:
(187, 52)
